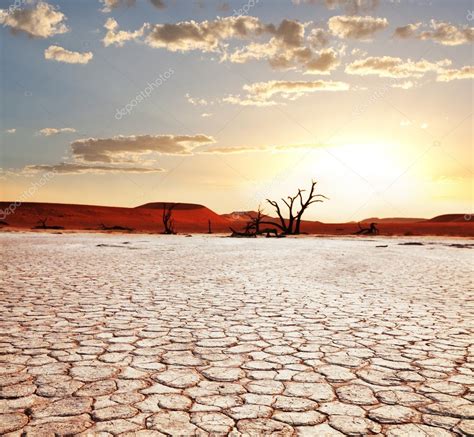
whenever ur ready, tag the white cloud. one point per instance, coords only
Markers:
(364, 28)
(60, 54)
(287, 88)
(196, 101)
(237, 99)
(234, 149)
(388, 66)
(282, 57)
(130, 148)
(318, 38)
(440, 32)
(117, 37)
(358, 52)
(110, 5)
(261, 93)
(466, 72)
(406, 85)
(206, 36)
(352, 7)
(48, 131)
(41, 20)
(286, 48)
(206, 114)
(258, 148)
(10, 131)
(407, 31)
(121, 154)
(73, 168)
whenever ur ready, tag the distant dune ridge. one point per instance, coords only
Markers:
(450, 218)
(195, 218)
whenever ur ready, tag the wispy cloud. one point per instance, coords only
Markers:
(73, 168)
(197, 101)
(351, 7)
(110, 5)
(257, 148)
(261, 93)
(388, 66)
(127, 148)
(406, 85)
(356, 27)
(48, 131)
(440, 32)
(234, 149)
(466, 72)
(117, 37)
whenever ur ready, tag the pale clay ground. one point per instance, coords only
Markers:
(211, 336)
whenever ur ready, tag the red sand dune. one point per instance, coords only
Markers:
(450, 218)
(393, 220)
(193, 218)
(145, 218)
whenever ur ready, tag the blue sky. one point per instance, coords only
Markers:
(373, 132)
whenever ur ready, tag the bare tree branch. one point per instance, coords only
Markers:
(293, 225)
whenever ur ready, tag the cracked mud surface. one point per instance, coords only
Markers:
(210, 336)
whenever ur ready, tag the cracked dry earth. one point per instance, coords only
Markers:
(205, 336)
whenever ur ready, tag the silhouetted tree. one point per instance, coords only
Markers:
(41, 224)
(167, 217)
(256, 220)
(209, 227)
(292, 225)
(371, 230)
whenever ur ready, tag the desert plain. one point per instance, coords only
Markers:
(148, 335)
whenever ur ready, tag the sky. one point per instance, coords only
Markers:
(227, 103)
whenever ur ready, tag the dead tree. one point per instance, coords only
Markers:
(41, 224)
(167, 218)
(306, 203)
(371, 230)
(209, 227)
(242, 234)
(253, 226)
(115, 228)
(256, 220)
(292, 225)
